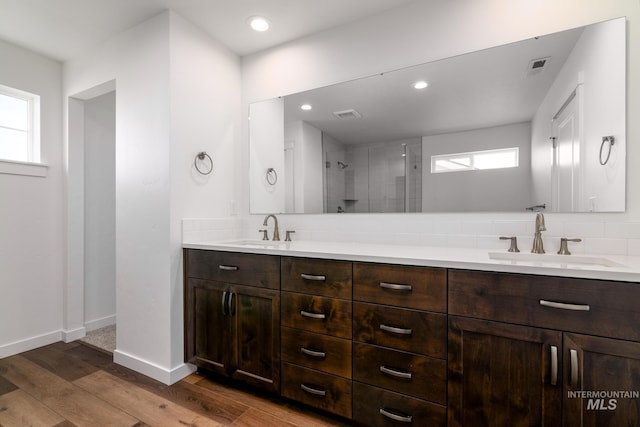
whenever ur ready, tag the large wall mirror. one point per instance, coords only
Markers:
(537, 124)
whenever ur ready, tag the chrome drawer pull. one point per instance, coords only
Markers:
(573, 356)
(313, 315)
(320, 354)
(228, 267)
(565, 306)
(394, 373)
(313, 277)
(394, 417)
(395, 287)
(554, 365)
(312, 390)
(394, 330)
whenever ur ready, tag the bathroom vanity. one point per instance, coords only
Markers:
(413, 339)
(232, 315)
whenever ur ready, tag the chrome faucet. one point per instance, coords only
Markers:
(538, 248)
(276, 232)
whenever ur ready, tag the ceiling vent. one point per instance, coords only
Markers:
(537, 66)
(347, 114)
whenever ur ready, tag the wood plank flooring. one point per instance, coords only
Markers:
(65, 385)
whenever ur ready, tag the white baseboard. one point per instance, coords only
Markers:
(166, 376)
(16, 347)
(92, 325)
(74, 334)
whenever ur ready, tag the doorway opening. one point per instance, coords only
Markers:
(92, 123)
(566, 176)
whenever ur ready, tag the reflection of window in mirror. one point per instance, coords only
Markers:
(476, 160)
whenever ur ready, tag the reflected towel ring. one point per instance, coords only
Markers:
(272, 176)
(611, 140)
(201, 156)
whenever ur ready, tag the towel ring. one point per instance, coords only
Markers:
(201, 156)
(272, 176)
(611, 140)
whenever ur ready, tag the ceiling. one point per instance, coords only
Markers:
(482, 89)
(63, 29)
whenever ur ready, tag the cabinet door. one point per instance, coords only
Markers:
(255, 313)
(503, 375)
(213, 333)
(595, 366)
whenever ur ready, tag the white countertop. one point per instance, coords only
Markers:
(620, 268)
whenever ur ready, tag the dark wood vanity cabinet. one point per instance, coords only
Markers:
(400, 345)
(499, 374)
(529, 350)
(390, 345)
(602, 364)
(316, 333)
(232, 315)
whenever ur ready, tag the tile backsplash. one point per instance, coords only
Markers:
(611, 234)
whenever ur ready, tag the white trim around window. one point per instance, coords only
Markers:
(11, 167)
(19, 132)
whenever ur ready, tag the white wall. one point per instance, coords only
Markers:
(206, 116)
(138, 60)
(483, 190)
(267, 134)
(425, 31)
(31, 216)
(307, 175)
(308, 172)
(100, 212)
(596, 63)
(177, 95)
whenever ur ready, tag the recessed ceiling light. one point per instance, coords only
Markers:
(420, 84)
(259, 23)
(306, 107)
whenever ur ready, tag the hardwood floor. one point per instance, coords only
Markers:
(73, 384)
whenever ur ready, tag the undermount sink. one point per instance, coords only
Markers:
(549, 259)
(270, 244)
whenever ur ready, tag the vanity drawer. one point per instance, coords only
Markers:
(231, 267)
(329, 278)
(316, 314)
(317, 389)
(409, 330)
(594, 307)
(321, 352)
(421, 288)
(418, 376)
(373, 406)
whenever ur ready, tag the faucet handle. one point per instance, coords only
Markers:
(264, 234)
(287, 237)
(564, 249)
(514, 243)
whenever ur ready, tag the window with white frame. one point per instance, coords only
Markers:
(476, 160)
(19, 125)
